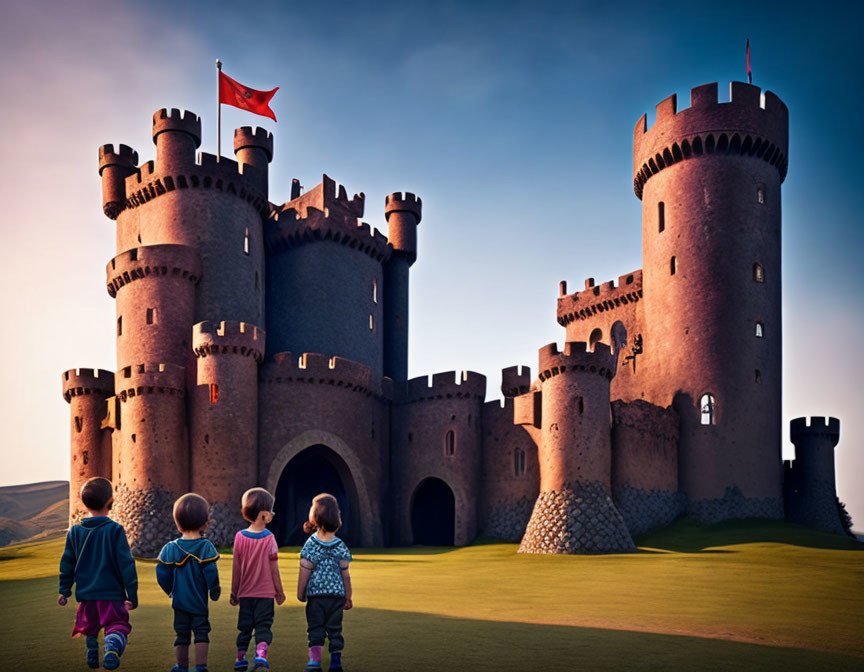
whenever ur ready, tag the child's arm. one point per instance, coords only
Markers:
(235, 572)
(306, 568)
(274, 571)
(211, 576)
(346, 579)
(67, 570)
(165, 577)
(126, 563)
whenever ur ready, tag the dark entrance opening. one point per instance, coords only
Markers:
(315, 470)
(433, 513)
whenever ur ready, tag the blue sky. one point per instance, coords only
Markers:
(513, 122)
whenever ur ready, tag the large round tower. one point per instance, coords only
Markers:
(709, 179)
(574, 512)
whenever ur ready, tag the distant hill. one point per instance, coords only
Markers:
(33, 511)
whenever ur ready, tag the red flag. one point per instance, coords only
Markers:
(749, 74)
(232, 92)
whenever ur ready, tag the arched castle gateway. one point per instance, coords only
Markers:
(264, 344)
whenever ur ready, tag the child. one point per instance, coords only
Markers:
(255, 579)
(97, 560)
(187, 573)
(324, 582)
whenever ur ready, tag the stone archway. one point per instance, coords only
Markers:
(433, 513)
(335, 464)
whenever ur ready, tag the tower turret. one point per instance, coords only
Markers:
(574, 512)
(86, 391)
(151, 452)
(403, 212)
(254, 147)
(176, 135)
(114, 168)
(224, 438)
(811, 491)
(709, 178)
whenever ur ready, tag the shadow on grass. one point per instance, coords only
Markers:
(687, 536)
(390, 640)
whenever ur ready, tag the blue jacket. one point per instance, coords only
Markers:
(187, 572)
(98, 561)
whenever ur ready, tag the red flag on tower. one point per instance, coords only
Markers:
(232, 92)
(749, 74)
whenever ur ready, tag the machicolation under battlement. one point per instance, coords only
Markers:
(599, 298)
(80, 382)
(446, 385)
(515, 380)
(321, 369)
(576, 357)
(227, 337)
(151, 261)
(148, 379)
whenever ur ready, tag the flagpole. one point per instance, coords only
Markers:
(218, 111)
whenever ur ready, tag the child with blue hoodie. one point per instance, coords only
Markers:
(187, 572)
(98, 561)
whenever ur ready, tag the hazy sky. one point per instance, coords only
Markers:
(513, 121)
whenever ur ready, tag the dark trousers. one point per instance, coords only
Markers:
(324, 617)
(255, 613)
(185, 624)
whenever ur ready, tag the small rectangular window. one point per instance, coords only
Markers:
(673, 266)
(375, 290)
(151, 316)
(371, 322)
(246, 242)
(120, 326)
(214, 393)
(760, 196)
(79, 423)
(661, 216)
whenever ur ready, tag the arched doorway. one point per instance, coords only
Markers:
(433, 513)
(314, 470)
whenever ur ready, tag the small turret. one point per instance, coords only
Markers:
(176, 136)
(403, 212)
(515, 380)
(114, 168)
(254, 147)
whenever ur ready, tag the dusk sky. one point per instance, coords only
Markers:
(514, 123)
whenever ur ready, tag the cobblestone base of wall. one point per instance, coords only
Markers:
(225, 521)
(508, 518)
(733, 504)
(647, 510)
(147, 517)
(579, 518)
(820, 511)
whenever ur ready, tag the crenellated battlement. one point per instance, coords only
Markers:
(258, 138)
(315, 368)
(176, 120)
(515, 380)
(742, 126)
(576, 357)
(324, 198)
(114, 168)
(124, 156)
(800, 429)
(228, 337)
(81, 382)
(141, 379)
(152, 261)
(403, 202)
(447, 385)
(599, 298)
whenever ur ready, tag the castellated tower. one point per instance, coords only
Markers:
(809, 484)
(86, 391)
(568, 416)
(709, 179)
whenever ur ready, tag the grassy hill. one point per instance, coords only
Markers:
(34, 511)
(751, 595)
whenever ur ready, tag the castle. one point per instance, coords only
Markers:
(264, 344)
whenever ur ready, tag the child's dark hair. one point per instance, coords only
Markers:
(96, 493)
(191, 512)
(324, 514)
(254, 502)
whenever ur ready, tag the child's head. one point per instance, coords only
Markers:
(257, 505)
(191, 513)
(324, 514)
(97, 494)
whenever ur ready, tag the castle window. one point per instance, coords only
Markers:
(760, 330)
(410, 437)
(707, 409)
(214, 393)
(246, 241)
(374, 290)
(120, 326)
(371, 322)
(580, 404)
(450, 443)
(518, 462)
(79, 423)
(151, 316)
(758, 272)
(595, 336)
(673, 266)
(758, 376)
(661, 216)
(760, 195)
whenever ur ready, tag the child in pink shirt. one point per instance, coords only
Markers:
(255, 580)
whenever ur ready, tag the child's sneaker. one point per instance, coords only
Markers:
(336, 662)
(261, 656)
(314, 664)
(92, 653)
(177, 668)
(115, 644)
(241, 664)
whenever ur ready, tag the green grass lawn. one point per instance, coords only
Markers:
(741, 595)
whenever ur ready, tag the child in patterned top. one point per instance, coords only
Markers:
(324, 582)
(255, 580)
(187, 573)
